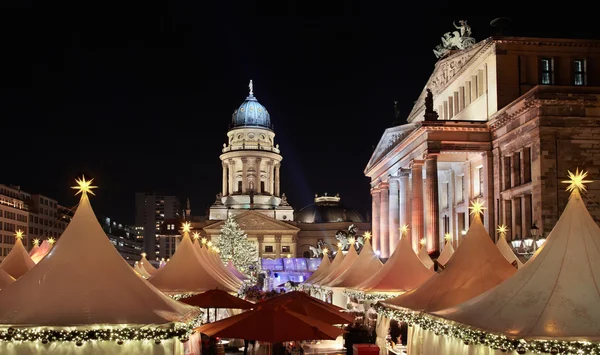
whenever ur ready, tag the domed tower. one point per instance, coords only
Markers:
(251, 162)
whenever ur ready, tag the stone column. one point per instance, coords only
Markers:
(257, 179)
(272, 177)
(384, 214)
(244, 175)
(260, 239)
(277, 246)
(394, 216)
(417, 203)
(277, 192)
(433, 205)
(489, 216)
(405, 202)
(231, 171)
(375, 217)
(225, 182)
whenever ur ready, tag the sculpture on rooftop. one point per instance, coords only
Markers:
(455, 40)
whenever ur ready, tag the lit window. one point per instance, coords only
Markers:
(547, 72)
(579, 72)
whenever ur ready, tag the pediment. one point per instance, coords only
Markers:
(390, 138)
(446, 69)
(255, 221)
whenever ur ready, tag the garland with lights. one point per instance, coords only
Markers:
(473, 336)
(365, 296)
(181, 296)
(80, 336)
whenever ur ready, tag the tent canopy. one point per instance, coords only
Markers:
(555, 295)
(337, 260)
(344, 265)
(18, 261)
(322, 269)
(425, 258)
(237, 273)
(446, 254)
(83, 280)
(366, 265)
(40, 252)
(475, 267)
(402, 272)
(506, 250)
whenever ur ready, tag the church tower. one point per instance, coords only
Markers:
(251, 162)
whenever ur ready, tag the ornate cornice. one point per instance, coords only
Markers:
(547, 41)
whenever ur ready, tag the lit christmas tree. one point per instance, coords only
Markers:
(234, 245)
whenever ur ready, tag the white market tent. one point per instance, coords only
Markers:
(39, 253)
(366, 264)
(5, 279)
(35, 248)
(555, 296)
(425, 258)
(333, 274)
(506, 250)
(147, 265)
(237, 273)
(212, 260)
(475, 267)
(401, 273)
(185, 273)
(337, 260)
(446, 254)
(84, 286)
(322, 269)
(17, 262)
(141, 271)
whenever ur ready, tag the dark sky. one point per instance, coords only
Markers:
(139, 95)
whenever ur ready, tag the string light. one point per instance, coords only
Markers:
(367, 296)
(84, 186)
(471, 336)
(576, 181)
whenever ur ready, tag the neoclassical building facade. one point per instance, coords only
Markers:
(501, 121)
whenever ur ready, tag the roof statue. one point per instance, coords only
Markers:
(430, 114)
(251, 112)
(455, 40)
(84, 281)
(251, 88)
(475, 267)
(17, 262)
(554, 296)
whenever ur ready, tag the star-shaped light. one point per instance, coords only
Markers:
(423, 241)
(209, 244)
(325, 251)
(84, 186)
(448, 237)
(404, 229)
(477, 207)
(186, 227)
(576, 181)
(502, 229)
(19, 234)
(351, 240)
(340, 245)
(36, 242)
(196, 235)
(217, 250)
(367, 235)
(204, 240)
(51, 241)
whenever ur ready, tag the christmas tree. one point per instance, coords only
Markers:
(234, 245)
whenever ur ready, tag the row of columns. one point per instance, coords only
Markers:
(395, 203)
(272, 185)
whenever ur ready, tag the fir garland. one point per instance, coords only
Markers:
(499, 342)
(80, 336)
(365, 296)
(180, 296)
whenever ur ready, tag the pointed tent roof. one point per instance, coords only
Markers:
(506, 250)
(446, 254)
(213, 262)
(237, 273)
(34, 249)
(39, 254)
(349, 259)
(5, 279)
(425, 258)
(185, 273)
(401, 273)
(367, 264)
(321, 270)
(337, 260)
(147, 266)
(141, 271)
(555, 295)
(18, 261)
(476, 266)
(85, 281)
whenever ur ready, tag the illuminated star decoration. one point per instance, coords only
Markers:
(144, 255)
(84, 186)
(325, 251)
(423, 241)
(339, 245)
(476, 207)
(209, 244)
(351, 240)
(19, 234)
(187, 227)
(196, 235)
(204, 240)
(36, 242)
(404, 229)
(502, 229)
(367, 235)
(576, 181)
(448, 237)
(51, 241)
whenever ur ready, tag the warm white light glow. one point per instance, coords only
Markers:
(19, 234)
(477, 207)
(351, 240)
(84, 186)
(404, 229)
(209, 244)
(576, 181)
(51, 241)
(144, 255)
(502, 229)
(325, 251)
(186, 227)
(204, 240)
(448, 237)
(196, 235)
(367, 235)
(339, 245)
(423, 241)
(36, 242)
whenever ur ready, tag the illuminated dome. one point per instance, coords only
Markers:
(327, 209)
(251, 113)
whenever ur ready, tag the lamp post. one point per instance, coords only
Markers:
(528, 246)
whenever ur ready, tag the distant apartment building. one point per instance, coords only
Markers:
(151, 210)
(14, 216)
(124, 238)
(46, 218)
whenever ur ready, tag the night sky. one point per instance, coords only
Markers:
(139, 96)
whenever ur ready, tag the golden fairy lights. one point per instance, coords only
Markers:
(84, 186)
(577, 181)
(477, 207)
